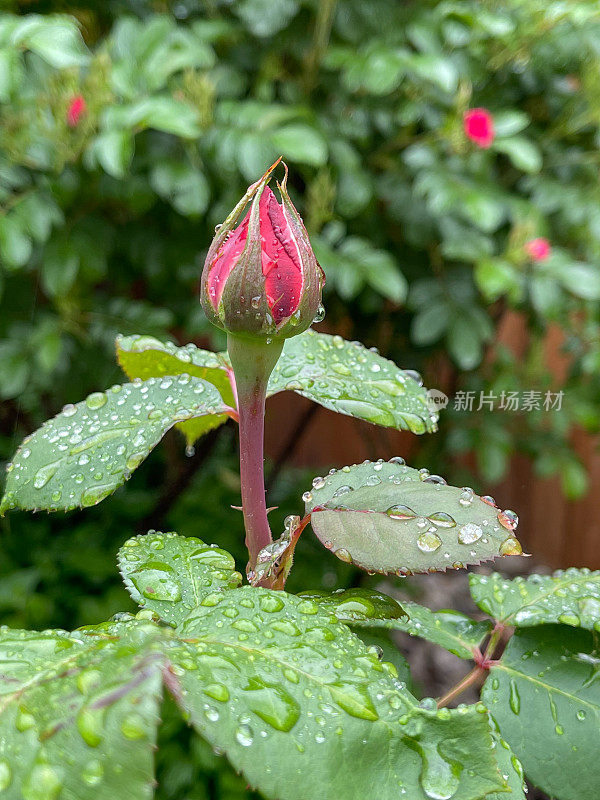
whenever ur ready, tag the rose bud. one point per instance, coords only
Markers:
(479, 127)
(77, 107)
(261, 278)
(538, 249)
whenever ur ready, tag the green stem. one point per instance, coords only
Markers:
(252, 362)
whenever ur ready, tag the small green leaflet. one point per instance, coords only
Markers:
(571, 597)
(545, 697)
(364, 608)
(348, 378)
(272, 679)
(79, 712)
(84, 453)
(146, 357)
(170, 574)
(387, 517)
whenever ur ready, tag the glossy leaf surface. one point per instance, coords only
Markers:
(571, 597)
(170, 574)
(147, 357)
(273, 680)
(387, 517)
(348, 378)
(79, 712)
(545, 696)
(84, 453)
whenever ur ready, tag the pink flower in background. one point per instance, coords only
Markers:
(479, 126)
(77, 108)
(538, 249)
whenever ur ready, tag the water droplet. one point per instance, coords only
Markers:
(5, 775)
(581, 715)
(440, 777)
(343, 555)
(514, 698)
(510, 547)
(466, 496)
(414, 375)
(320, 315)
(271, 603)
(154, 582)
(42, 783)
(93, 773)
(397, 460)
(373, 480)
(428, 542)
(469, 533)
(569, 618)
(401, 512)
(244, 735)
(217, 691)
(508, 519)
(437, 479)
(43, 475)
(318, 482)
(90, 724)
(133, 727)
(307, 497)
(96, 400)
(442, 520)
(69, 410)
(354, 699)
(272, 704)
(489, 500)
(342, 490)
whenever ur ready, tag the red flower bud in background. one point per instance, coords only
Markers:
(479, 126)
(77, 108)
(261, 278)
(538, 249)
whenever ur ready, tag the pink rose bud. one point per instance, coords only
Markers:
(538, 249)
(261, 278)
(77, 108)
(479, 126)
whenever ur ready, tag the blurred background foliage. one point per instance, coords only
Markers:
(105, 220)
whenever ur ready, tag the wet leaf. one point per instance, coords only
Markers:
(571, 597)
(545, 696)
(348, 378)
(273, 680)
(84, 453)
(79, 712)
(146, 357)
(357, 606)
(451, 630)
(511, 771)
(170, 574)
(387, 517)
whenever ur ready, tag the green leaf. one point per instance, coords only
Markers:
(523, 153)
(15, 245)
(348, 378)
(271, 679)
(146, 357)
(184, 187)
(266, 17)
(511, 770)
(449, 629)
(170, 574)
(84, 453)
(300, 143)
(366, 608)
(79, 712)
(507, 123)
(59, 267)
(387, 517)
(113, 151)
(57, 40)
(386, 649)
(354, 606)
(545, 697)
(571, 597)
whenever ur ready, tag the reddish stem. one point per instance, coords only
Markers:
(252, 363)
